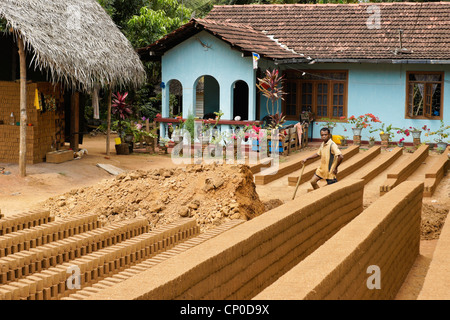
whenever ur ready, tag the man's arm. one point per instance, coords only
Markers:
(338, 162)
(315, 155)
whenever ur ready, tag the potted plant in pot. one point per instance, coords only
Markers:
(122, 111)
(441, 133)
(371, 141)
(328, 123)
(271, 86)
(359, 123)
(403, 131)
(385, 133)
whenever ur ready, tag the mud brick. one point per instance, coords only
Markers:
(100, 286)
(5, 294)
(46, 294)
(24, 288)
(53, 276)
(15, 291)
(31, 285)
(39, 295)
(61, 288)
(39, 282)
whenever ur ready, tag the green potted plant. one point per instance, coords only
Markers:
(441, 133)
(329, 123)
(371, 141)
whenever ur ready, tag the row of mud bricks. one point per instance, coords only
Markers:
(329, 223)
(433, 175)
(47, 259)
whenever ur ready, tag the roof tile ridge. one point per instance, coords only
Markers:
(280, 44)
(233, 24)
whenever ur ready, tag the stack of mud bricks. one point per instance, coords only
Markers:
(357, 140)
(401, 172)
(293, 140)
(42, 132)
(240, 262)
(416, 142)
(82, 246)
(367, 259)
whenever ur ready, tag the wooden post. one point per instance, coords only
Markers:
(108, 129)
(23, 108)
(74, 121)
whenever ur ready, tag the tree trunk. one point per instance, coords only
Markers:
(23, 109)
(108, 130)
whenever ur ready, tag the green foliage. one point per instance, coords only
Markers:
(122, 10)
(155, 21)
(2, 25)
(189, 125)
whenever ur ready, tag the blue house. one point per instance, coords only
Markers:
(338, 60)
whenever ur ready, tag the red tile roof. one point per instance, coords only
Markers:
(239, 36)
(347, 31)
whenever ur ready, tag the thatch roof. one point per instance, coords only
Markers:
(76, 41)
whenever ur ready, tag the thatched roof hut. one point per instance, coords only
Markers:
(75, 41)
(78, 45)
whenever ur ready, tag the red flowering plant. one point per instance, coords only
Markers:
(362, 121)
(406, 132)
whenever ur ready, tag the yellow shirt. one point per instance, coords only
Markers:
(328, 159)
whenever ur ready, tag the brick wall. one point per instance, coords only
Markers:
(45, 125)
(386, 235)
(241, 262)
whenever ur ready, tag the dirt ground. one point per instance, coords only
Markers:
(79, 185)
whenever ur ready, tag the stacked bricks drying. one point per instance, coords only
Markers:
(401, 172)
(90, 292)
(39, 256)
(435, 174)
(45, 125)
(240, 262)
(384, 237)
(435, 285)
(371, 170)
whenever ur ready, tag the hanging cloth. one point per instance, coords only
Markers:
(37, 100)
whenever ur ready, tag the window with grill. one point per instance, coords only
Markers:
(424, 96)
(322, 92)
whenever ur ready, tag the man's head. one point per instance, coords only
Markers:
(325, 134)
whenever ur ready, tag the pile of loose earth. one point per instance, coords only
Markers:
(433, 219)
(212, 194)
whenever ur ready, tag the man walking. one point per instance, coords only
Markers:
(331, 158)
